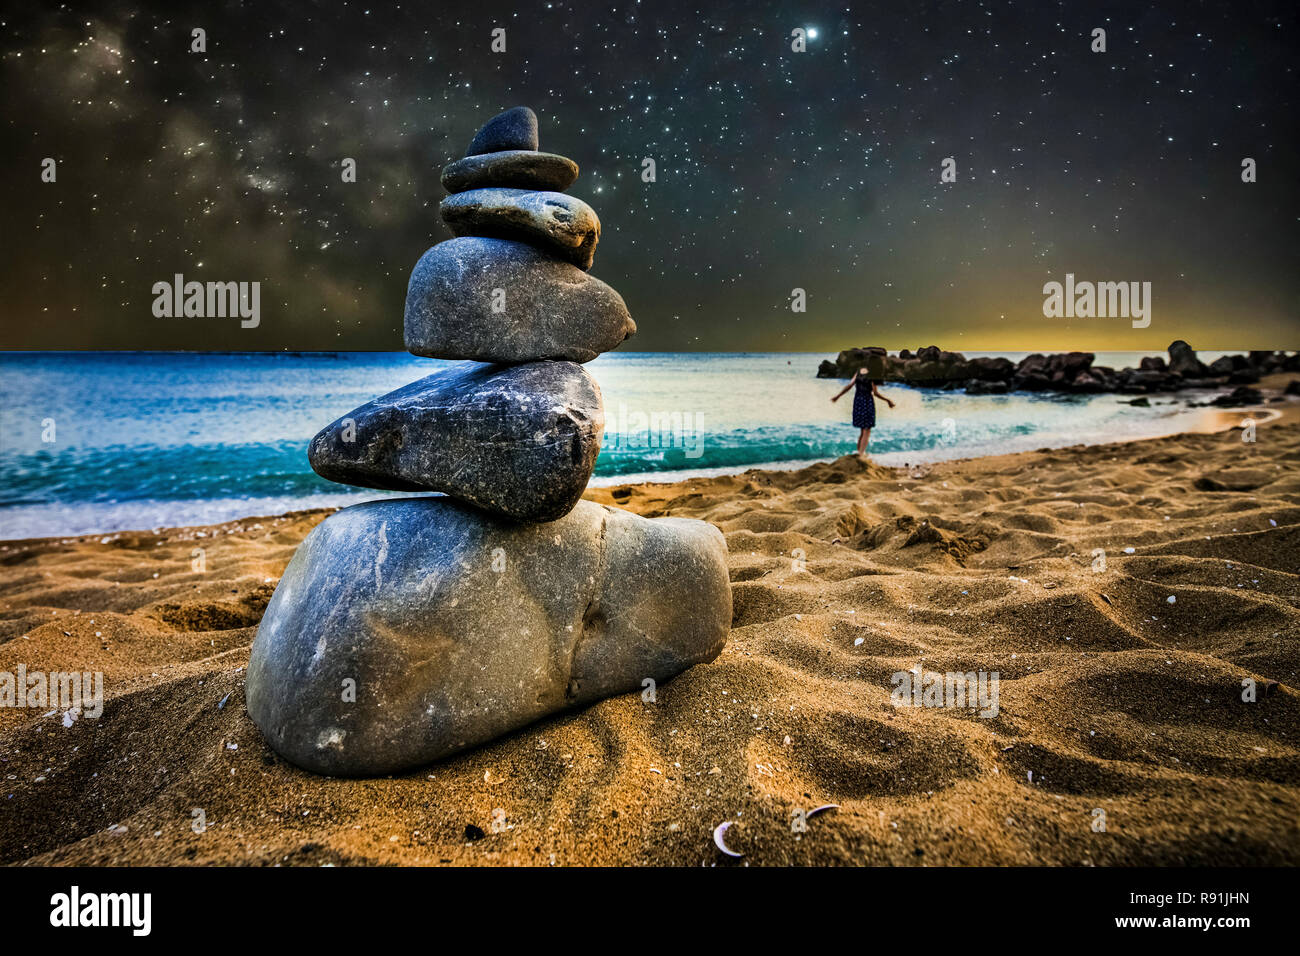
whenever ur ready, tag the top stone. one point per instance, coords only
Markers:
(514, 129)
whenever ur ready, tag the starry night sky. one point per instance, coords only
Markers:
(775, 169)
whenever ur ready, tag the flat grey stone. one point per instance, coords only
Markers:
(557, 222)
(516, 128)
(452, 627)
(518, 441)
(551, 309)
(513, 168)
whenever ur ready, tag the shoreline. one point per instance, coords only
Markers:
(1223, 419)
(1216, 420)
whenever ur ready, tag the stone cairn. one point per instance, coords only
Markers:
(407, 629)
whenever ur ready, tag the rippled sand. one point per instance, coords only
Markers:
(1111, 698)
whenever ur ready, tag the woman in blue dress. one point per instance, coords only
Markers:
(865, 380)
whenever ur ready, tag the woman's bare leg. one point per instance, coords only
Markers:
(863, 438)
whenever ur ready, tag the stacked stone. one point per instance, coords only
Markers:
(405, 630)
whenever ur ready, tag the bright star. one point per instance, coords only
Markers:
(812, 33)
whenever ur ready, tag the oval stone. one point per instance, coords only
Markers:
(406, 630)
(519, 441)
(493, 300)
(557, 222)
(515, 128)
(514, 169)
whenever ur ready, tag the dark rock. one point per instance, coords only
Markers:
(977, 386)
(1244, 395)
(850, 360)
(1059, 371)
(1086, 382)
(552, 310)
(513, 168)
(1265, 361)
(1138, 403)
(1031, 381)
(858, 357)
(1032, 366)
(1072, 363)
(991, 369)
(827, 369)
(935, 364)
(893, 368)
(939, 369)
(515, 440)
(923, 370)
(1130, 380)
(1293, 387)
(1072, 372)
(1184, 361)
(514, 129)
(559, 223)
(1109, 379)
(455, 627)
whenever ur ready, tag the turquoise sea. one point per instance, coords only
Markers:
(96, 442)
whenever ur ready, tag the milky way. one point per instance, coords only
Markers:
(775, 169)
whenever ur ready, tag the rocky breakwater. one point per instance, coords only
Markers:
(407, 629)
(1074, 372)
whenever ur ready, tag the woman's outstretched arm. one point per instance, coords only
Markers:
(846, 387)
(876, 392)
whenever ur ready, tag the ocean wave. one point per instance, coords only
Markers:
(154, 439)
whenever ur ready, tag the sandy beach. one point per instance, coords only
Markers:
(1121, 592)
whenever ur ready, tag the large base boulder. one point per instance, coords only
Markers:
(405, 630)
